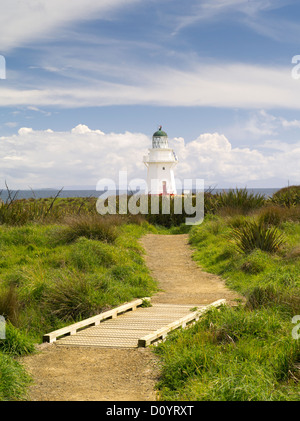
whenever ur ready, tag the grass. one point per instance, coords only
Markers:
(13, 379)
(245, 352)
(47, 280)
(61, 262)
(54, 274)
(93, 227)
(231, 355)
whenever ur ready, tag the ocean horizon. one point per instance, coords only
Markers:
(68, 193)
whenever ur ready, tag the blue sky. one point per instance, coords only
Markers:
(88, 82)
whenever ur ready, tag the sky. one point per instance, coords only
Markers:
(85, 84)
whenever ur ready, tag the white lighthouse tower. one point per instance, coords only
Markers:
(160, 163)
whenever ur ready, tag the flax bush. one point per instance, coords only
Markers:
(254, 235)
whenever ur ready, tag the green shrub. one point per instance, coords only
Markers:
(274, 296)
(271, 215)
(167, 218)
(254, 235)
(87, 254)
(288, 196)
(237, 221)
(94, 227)
(276, 214)
(210, 203)
(240, 200)
(73, 296)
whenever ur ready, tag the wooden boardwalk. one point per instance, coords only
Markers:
(129, 326)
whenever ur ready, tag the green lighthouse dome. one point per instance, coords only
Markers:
(160, 133)
(160, 139)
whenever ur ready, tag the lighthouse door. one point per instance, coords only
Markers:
(164, 186)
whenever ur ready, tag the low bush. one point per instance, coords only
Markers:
(275, 214)
(238, 201)
(73, 297)
(95, 227)
(86, 254)
(254, 235)
(287, 196)
(236, 221)
(274, 296)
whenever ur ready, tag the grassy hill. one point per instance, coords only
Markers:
(61, 262)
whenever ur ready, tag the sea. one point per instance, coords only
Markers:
(51, 193)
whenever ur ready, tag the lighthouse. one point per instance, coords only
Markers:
(160, 163)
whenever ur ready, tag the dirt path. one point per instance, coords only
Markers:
(104, 374)
(169, 257)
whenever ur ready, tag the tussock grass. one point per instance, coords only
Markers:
(73, 296)
(94, 227)
(256, 235)
(294, 253)
(287, 301)
(275, 214)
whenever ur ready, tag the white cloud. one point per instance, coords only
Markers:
(257, 127)
(24, 131)
(264, 123)
(86, 71)
(247, 12)
(215, 85)
(208, 10)
(83, 129)
(11, 124)
(25, 21)
(83, 156)
(292, 123)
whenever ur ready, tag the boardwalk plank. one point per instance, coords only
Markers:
(139, 328)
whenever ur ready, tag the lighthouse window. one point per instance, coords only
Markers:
(163, 168)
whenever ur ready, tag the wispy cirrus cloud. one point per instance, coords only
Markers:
(247, 12)
(263, 123)
(99, 70)
(26, 21)
(212, 85)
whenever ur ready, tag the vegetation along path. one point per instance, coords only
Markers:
(105, 374)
